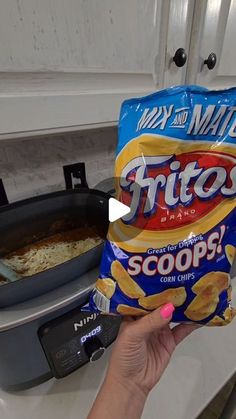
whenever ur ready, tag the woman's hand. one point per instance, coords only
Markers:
(144, 347)
(139, 357)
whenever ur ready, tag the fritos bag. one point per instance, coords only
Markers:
(176, 169)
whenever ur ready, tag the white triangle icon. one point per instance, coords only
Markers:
(117, 209)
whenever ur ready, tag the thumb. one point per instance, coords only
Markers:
(153, 321)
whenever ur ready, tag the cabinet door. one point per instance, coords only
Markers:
(214, 30)
(180, 17)
(66, 64)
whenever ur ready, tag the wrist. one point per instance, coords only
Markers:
(127, 389)
(118, 399)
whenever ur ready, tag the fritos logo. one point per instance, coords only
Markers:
(169, 191)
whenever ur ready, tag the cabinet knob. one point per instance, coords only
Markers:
(211, 61)
(180, 57)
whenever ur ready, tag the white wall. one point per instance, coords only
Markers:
(34, 166)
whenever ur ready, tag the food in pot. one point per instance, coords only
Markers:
(51, 251)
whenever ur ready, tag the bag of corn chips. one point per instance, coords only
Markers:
(176, 170)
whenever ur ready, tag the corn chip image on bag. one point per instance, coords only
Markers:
(176, 170)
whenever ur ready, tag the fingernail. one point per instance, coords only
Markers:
(167, 311)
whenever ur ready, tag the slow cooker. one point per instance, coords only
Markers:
(44, 330)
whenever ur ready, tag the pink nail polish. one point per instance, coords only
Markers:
(167, 311)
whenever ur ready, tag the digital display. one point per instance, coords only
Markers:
(96, 331)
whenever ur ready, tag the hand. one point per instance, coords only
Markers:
(143, 349)
(139, 357)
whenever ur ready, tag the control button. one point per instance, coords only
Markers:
(94, 348)
(61, 353)
(97, 354)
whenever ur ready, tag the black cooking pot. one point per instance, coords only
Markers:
(30, 220)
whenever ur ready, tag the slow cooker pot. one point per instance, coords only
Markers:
(44, 331)
(50, 336)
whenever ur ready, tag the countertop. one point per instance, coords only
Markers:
(201, 365)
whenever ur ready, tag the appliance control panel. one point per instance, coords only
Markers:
(76, 338)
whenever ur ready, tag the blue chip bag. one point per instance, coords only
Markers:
(176, 169)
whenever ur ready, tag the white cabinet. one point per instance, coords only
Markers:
(79, 36)
(180, 15)
(66, 64)
(213, 31)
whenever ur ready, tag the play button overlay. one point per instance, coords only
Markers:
(117, 210)
(126, 218)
